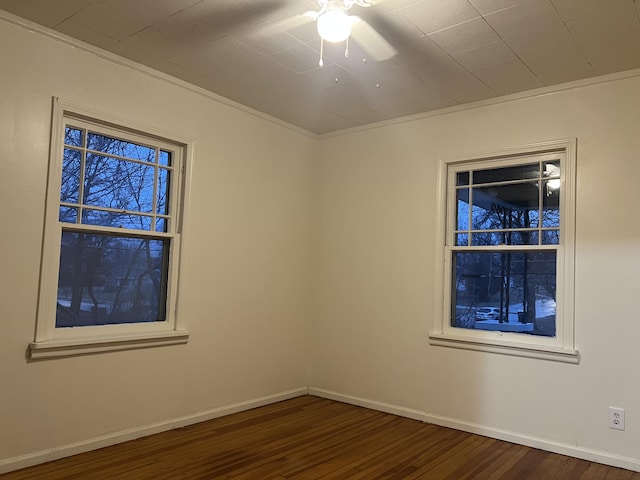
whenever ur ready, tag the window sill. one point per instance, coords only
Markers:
(90, 345)
(506, 348)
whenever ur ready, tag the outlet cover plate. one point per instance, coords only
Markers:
(616, 418)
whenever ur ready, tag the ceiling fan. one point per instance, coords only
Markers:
(335, 25)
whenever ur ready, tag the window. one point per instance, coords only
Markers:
(112, 239)
(507, 253)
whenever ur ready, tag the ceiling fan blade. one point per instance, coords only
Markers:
(230, 18)
(377, 2)
(285, 25)
(371, 41)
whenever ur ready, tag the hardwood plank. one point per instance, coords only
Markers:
(311, 438)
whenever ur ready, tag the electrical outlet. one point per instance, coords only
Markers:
(616, 418)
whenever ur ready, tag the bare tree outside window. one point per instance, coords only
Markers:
(505, 262)
(114, 211)
(506, 228)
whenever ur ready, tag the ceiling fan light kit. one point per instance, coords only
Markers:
(334, 23)
(334, 26)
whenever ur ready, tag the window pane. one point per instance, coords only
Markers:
(551, 237)
(505, 238)
(115, 219)
(520, 172)
(165, 158)
(462, 212)
(161, 225)
(121, 148)
(505, 291)
(111, 280)
(163, 191)
(118, 184)
(486, 239)
(462, 239)
(70, 188)
(462, 178)
(73, 136)
(551, 169)
(68, 215)
(551, 204)
(506, 206)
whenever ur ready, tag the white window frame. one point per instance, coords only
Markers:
(559, 348)
(55, 342)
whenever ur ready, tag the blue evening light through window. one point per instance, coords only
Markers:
(107, 277)
(504, 209)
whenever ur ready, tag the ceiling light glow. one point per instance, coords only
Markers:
(554, 184)
(334, 25)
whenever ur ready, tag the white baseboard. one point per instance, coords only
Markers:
(576, 451)
(35, 458)
(373, 405)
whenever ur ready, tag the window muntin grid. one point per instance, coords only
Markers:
(507, 205)
(506, 210)
(117, 217)
(444, 332)
(114, 182)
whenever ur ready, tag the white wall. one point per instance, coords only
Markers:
(375, 271)
(245, 295)
(274, 219)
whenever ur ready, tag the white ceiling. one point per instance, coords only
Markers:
(258, 53)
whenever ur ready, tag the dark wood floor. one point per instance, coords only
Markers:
(314, 438)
